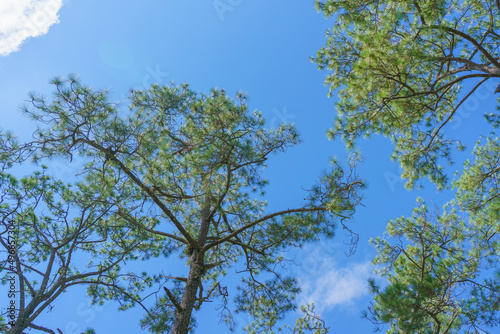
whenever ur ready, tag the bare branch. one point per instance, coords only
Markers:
(436, 132)
(255, 222)
(485, 53)
(43, 329)
(127, 217)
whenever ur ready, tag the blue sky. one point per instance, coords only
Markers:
(260, 47)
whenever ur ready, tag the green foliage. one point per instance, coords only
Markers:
(267, 306)
(437, 269)
(478, 188)
(161, 318)
(64, 236)
(3, 325)
(399, 66)
(178, 175)
(309, 322)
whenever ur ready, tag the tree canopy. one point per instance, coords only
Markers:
(59, 235)
(400, 67)
(178, 175)
(403, 69)
(435, 264)
(175, 176)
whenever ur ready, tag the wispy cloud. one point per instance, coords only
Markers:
(21, 19)
(329, 285)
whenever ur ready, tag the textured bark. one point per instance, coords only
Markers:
(196, 270)
(183, 317)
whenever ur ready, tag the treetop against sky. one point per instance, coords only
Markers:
(419, 78)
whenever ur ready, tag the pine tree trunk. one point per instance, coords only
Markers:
(197, 265)
(183, 317)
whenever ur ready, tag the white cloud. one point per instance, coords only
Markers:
(21, 19)
(329, 286)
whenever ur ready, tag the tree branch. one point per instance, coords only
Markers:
(109, 154)
(173, 300)
(485, 53)
(142, 226)
(40, 328)
(246, 227)
(453, 113)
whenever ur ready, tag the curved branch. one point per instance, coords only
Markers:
(133, 221)
(260, 220)
(485, 53)
(453, 113)
(43, 329)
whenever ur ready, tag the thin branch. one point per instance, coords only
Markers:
(453, 113)
(110, 155)
(43, 329)
(255, 222)
(182, 279)
(486, 54)
(142, 226)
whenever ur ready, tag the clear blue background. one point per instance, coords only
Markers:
(263, 48)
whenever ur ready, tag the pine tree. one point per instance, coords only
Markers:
(181, 172)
